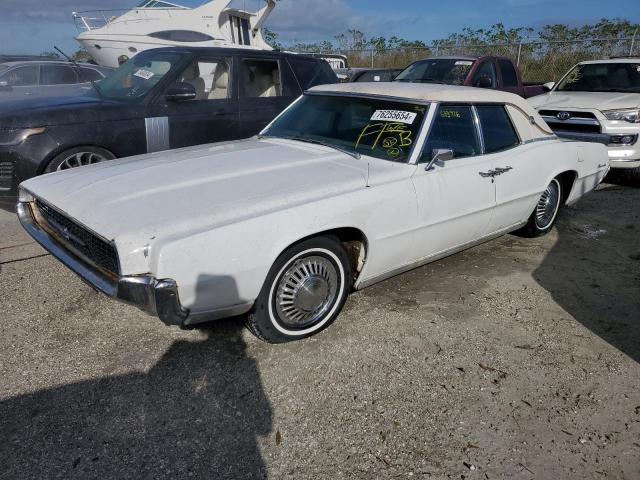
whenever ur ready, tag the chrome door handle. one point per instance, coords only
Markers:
(501, 170)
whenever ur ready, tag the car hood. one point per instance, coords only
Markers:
(179, 192)
(586, 100)
(42, 111)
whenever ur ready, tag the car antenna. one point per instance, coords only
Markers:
(80, 72)
(368, 167)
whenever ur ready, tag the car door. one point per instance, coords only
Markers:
(519, 178)
(18, 82)
(267, 87)
(211, 117)
(456, 197)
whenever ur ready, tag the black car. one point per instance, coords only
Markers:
(374, 74)
(160, 99)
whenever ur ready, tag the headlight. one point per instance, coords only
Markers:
(631, 116)
(15, 136)
(25, 196)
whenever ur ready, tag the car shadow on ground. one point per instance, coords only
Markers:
(593, 270)
(8, 203)
(197, 412)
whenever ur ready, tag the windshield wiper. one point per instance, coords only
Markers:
(299, 138)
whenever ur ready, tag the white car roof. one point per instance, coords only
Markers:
(612, 60)
(434, 93)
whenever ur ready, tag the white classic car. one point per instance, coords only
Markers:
(351, 184)
(599, 101)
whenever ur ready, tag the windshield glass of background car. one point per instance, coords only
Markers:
(602, 77)
(450, 71)
(378, 128)
(133, 80)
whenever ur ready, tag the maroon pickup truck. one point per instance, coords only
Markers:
(484, 72)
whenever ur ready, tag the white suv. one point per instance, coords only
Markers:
(599, 101)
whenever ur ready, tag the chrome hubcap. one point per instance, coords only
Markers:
(548, 205)
(306, 291)
(80, 159)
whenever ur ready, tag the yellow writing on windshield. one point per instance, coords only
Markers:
(396, 136)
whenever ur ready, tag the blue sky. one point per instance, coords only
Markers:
(32, 26)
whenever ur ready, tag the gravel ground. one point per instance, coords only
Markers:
(517, 359)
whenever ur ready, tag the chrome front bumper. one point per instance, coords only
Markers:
(156, 297)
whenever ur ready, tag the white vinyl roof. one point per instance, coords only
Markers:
(612, 60)
(435, 93)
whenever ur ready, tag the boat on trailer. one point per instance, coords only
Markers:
(113, 36)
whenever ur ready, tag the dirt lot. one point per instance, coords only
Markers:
(517, 359)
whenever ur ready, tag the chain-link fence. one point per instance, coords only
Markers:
(538, 60)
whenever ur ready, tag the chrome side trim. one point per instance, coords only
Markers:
(540, 139)
(478, 125)
(425, 130)
(157, 130)
(360, 284)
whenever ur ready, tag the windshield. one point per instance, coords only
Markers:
(448, 71)
(378, 128)
(602, 77)
(133, 79)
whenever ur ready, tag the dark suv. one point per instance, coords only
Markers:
(160, 99)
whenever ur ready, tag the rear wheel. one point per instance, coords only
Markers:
(546, 211)
(304, 292)
(78, 157)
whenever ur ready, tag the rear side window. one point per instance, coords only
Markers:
(311, 72)
(486, 74)
(57, 75)
(21, 76)
(497, 130)
(453, 129)
(90, 75)
(509, 75)
(261, 78)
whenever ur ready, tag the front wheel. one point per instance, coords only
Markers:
(304, 292)
(544, 215)
(78, 157)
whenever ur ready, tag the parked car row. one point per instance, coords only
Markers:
(282, 226)
(288, 222)
(160, 99)
(127, 114)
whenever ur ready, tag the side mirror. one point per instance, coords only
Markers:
(180, 91)
(485, 82)
(547, 87)
(439, 155)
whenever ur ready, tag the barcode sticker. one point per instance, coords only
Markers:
(394, 116)
(142, 73)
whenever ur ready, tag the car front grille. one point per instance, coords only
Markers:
(98, 251)
(580, 122)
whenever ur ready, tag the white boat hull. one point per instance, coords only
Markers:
(105, 49)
